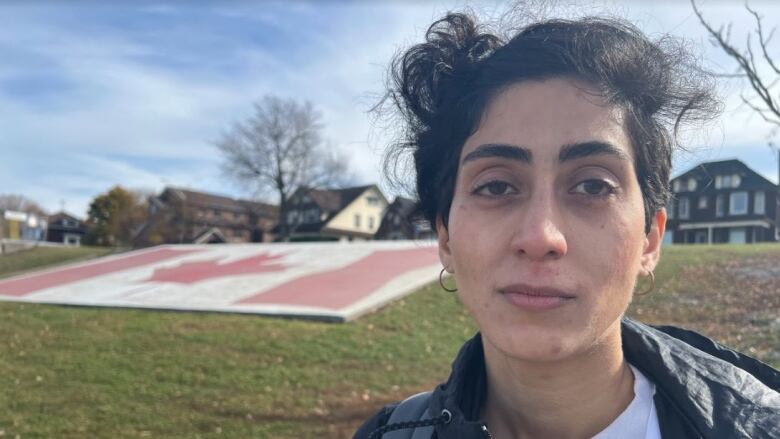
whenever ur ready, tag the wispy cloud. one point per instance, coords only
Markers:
(135, 94)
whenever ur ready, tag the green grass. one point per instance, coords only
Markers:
(70, 372)
(25, 260)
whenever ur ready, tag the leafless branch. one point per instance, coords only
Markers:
(747, 64)
(763, 41)
(278, 150)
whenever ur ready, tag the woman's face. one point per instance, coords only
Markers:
(546, 229)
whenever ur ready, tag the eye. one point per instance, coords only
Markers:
(594, 187)
(495, 188)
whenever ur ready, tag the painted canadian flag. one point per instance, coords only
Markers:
(329, 280)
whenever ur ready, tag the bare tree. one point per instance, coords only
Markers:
(749, 65)
(280, 149)
(761, 72)
(20, 203)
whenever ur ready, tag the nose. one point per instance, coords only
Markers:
(539, 234)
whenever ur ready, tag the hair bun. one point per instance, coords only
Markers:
(430, 72)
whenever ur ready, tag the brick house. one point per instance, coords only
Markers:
(185, 216)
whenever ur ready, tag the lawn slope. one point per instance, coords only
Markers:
(70, 372)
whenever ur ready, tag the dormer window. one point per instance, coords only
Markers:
(691, 184)
(676, 186)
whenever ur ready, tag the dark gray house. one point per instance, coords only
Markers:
(722, 202)
(401, 221)
(65, 229)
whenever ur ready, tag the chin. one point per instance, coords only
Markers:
(533, 343)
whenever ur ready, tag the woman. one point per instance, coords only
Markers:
(544, 164)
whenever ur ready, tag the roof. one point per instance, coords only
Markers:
(710, 169)
(56, 216)
(404, 206)
(334, 200)
(222, 202)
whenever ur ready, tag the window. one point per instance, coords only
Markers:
(719, 208)
(670, 208)
(371, 223)
(718, 182)
(735, 180)
(396, 220)
(676, 186)
(357, 220)
(372, 200)
(738, 203)
(684, 211)
(691, 184)
(703, 202)
(759, 202)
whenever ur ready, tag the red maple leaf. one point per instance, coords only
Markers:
(192, 272)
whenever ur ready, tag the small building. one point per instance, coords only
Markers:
(25, 226)
(65, 229)
(722, 202)
(335, 214)
(401, 221)
(186, 216)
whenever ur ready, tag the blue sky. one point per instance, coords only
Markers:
(134, 93)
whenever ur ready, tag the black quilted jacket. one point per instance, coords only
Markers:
(703, 389)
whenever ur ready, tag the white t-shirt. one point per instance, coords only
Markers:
(639, 420)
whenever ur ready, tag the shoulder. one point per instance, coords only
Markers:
(378, 420)
(711, 389)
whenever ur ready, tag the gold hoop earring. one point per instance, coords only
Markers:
(441, 283)
(651, 275)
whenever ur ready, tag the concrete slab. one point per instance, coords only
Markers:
(331, 281)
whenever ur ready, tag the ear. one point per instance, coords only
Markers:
(653, 241)
(443, 236)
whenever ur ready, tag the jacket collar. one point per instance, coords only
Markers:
(692, 378)
(707, 383)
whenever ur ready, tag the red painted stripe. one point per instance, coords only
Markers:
(21, 286)
(341, 287)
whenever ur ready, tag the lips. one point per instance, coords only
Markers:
(536, 298)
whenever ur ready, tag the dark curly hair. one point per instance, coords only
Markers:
(441, 88)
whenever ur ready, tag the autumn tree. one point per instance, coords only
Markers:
(280, 149)
(114, 217)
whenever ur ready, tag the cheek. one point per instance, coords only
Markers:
(617, 248)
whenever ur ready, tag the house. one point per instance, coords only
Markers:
(66, 229)
(17, 225)
(401, 221)
(335, 214)
(185, 216)
(722, 202)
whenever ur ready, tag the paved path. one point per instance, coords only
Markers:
(333, 281)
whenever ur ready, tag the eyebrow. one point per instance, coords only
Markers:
(502, 150)
(568, 152)
(586, 149)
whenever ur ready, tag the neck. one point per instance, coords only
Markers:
(572, 398)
